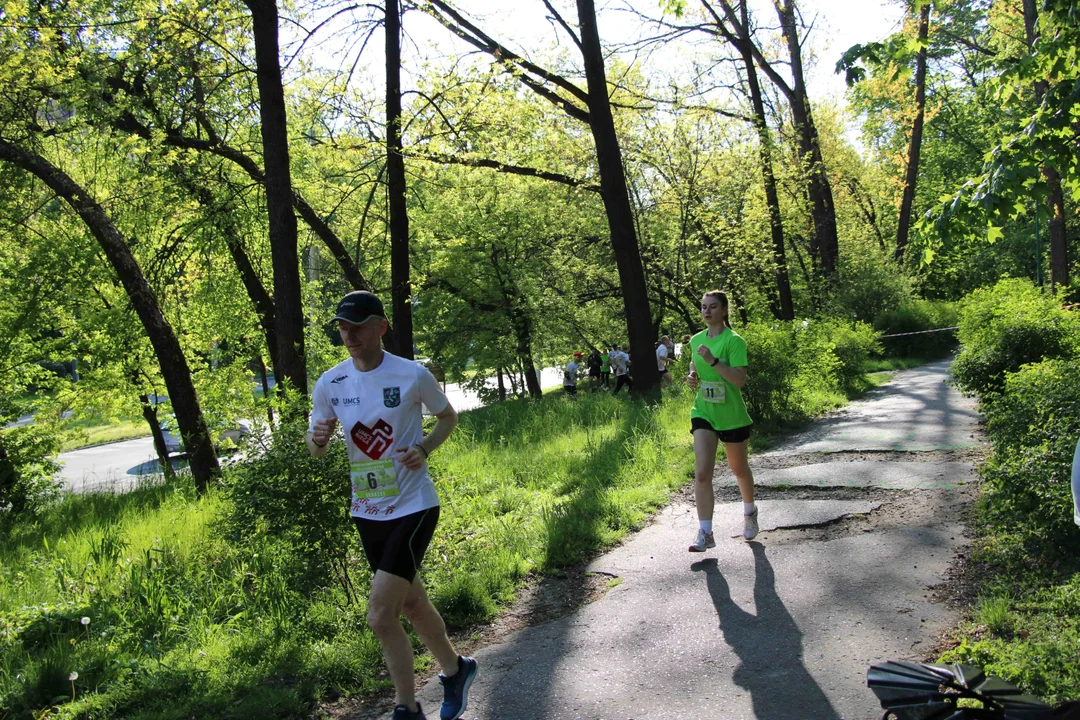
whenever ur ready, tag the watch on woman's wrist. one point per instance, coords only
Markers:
(714, 361)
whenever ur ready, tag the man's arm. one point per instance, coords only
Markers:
(319, 437)
(445, 422)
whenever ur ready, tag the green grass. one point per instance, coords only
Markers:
(1026, 629)
(83, 433)
(183, 623)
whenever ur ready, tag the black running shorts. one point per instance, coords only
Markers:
(738, 435)
(397, 546)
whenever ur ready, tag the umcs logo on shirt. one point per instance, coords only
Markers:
(391, 397)
(373, 441)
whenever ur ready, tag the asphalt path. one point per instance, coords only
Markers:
(121, 466)
(781, 628)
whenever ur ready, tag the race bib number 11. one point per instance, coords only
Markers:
(714, 392)
(374, 479)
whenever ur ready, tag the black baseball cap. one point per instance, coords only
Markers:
(359, 306)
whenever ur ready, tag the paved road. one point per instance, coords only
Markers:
(122, 465)
(782, 628)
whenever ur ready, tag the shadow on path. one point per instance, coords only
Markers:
(768, 645)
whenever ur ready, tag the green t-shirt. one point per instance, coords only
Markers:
(604, 366)
(719, 402)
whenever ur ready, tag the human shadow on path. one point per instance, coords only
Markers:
(768, 645)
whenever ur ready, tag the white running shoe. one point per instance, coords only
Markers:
(704, 542)
(750, 526)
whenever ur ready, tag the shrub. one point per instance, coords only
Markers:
(27, 472)
(774, 366)
(869, 284)
(915, 315)
(850, 344)
(1009, 325)
(284, 498)
(1034, 426)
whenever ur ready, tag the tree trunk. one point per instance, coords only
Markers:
(915, 147)
(502, 384)
(617, 204)
(824, 243)
(1059, 252)
(149, 413)
(288, 308)
(266, 389)
(523, 335)
(174, 366)
(400, 287)
(783, 307)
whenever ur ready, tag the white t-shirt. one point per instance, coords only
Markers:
(661, 357)
(618, 362)
(569, 378)
(381, 412)
(1076, 484)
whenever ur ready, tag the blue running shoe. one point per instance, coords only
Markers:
(403, 713)
(456, 689)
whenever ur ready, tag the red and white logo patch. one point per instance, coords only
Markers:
(374, 441)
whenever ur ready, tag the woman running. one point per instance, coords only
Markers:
(718, 372)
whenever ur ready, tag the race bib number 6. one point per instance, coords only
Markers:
(714, 392)
(374, 479)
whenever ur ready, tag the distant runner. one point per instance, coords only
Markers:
(569, 380)
(663, 359)
(378, 399)
(718, 372)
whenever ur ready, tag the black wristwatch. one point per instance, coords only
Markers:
(714, 361)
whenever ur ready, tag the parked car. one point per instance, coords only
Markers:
(226, 441)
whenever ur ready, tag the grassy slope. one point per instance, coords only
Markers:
(183, 625)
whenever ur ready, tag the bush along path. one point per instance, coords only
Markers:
(862, 519)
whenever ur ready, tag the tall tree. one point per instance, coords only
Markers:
(400, 284)
(922, 7)
(288, 301)
(1059, 256)
(824, 242)
(620, 216)
(782, 305)
(174, 366)
(597, 114)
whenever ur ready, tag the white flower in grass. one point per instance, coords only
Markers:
(73, 676)
(85, 621)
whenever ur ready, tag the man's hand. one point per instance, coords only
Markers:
(411, 457)
(323, 431)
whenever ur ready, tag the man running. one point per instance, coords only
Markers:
(378, 398)
(663, 359)
(621, 362)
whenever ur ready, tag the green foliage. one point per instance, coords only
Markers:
(1032, 642)
(1034, 425)
(1038, 134)
(869, 284)
(1028, 546)
(284, 498)
(915, 315)
(800, 369)
(28, 481)
(1007, 326)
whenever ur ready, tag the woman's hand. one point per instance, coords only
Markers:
(692, 380)
(705, 354)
